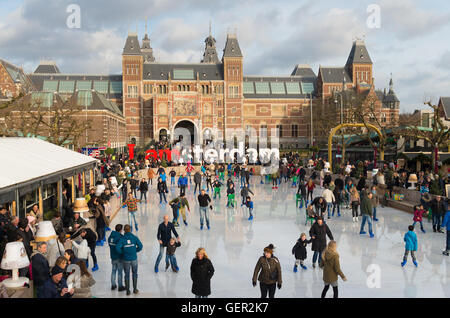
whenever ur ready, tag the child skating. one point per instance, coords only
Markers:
(299, 251)
(216, 185)
(170, 255)
(419, 212)
(249, 205)
(410, 245)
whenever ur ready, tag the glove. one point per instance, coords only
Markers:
(279, 286)
(254, 284)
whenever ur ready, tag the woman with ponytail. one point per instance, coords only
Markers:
(269, 270)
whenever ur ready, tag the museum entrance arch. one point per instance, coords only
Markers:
(186, 132)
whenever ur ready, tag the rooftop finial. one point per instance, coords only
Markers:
(210, 33)
(146, 22)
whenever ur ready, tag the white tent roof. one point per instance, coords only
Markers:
(24, 159)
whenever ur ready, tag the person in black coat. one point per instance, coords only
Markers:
(337, 192)
(40, 268)
(143, 188)
(299, 251)
(56, 285)
(162, 190)
(320, 205)
(361, 184)
(318, 232)
(438, 211)
(202, 271)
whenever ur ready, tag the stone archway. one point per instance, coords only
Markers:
(186, 129)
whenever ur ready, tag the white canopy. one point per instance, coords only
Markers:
(26, 159)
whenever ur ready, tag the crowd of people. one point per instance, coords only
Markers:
(322, 196)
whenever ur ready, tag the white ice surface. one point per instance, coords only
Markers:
(234, 244)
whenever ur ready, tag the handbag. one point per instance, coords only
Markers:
(272, 275)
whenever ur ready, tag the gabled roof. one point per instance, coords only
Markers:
(47, 67)
(206, 71)
(303, 70)
(334, 75)
(17, 75)
(132, 46)
(358, 54)
(445, 101)
(232, 48)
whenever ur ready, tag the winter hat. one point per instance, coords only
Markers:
(57, 270)
(269, 249)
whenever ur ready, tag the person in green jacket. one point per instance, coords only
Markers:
(129, 245)
(366, 211)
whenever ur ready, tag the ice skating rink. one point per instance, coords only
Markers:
(234, 244)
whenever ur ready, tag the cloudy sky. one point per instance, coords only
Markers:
(412, 41)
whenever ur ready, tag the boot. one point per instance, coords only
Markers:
(403, 263)
(303, 266)
(434, 228)
(415, 263)
(136, 227)
(445, 253)
(201, 227)
(95, 268)
(423, 231)
(295, 268)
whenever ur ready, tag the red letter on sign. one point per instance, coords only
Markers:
(151, 153)
(131, 150)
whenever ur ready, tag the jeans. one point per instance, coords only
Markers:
(131, 217)
(317, 255)
(134, 192)
(436, 221)
(161, 196)
(374, 212)
(172, 180)
(199, 185)
(134, 268)
(189, 176)
(204, 214)
(144, 194)
(172, 260)
(267, 289)
(329, 207)
(161, 252)
(117, 267)
(336, 206)
(250, 211)
(421, 225)
(369, 221)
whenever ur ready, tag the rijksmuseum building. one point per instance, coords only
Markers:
(214, 96)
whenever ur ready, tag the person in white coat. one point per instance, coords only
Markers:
(329, 198)
(82, 250)
(55, 249)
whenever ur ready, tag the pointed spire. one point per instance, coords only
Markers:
(210, 54)
(391, 86)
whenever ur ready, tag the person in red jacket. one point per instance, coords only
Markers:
(418, 214)
(310, 188)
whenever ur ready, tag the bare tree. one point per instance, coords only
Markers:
(60, 123)
(437, 136)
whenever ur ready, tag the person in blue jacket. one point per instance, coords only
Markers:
(446, 224)
(116, 261)
(56, 285)
(410, 245)
(182, 183)
(129, 245)
(249, 205)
